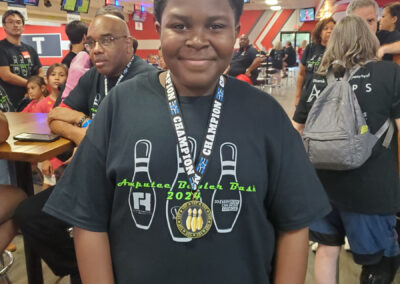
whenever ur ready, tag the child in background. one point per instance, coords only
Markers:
(37, 90)
(56, 76)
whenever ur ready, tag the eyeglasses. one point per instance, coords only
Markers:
(104, 41)
(14, 22)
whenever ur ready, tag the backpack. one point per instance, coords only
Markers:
(336, 136)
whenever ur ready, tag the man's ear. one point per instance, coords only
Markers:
(158, 27)
(237, 30)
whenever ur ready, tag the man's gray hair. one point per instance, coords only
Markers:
(355, 4)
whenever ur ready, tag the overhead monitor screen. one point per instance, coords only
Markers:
(307, 15)
(82, 6)
(68, 5)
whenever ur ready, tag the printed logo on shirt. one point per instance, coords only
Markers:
(26, 54)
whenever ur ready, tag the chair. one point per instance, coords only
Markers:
(6, 261)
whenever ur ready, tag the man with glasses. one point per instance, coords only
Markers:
(18, 61)
(111, 51)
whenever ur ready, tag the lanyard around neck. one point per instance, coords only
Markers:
(195, 174)
(123, 74)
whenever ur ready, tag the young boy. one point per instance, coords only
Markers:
(145, 213)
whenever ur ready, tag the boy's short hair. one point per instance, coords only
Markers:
(355, 4)
(13, 12)
(159, 6)
(75, 31)
(110, 10)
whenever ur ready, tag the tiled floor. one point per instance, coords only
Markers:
(348, 271)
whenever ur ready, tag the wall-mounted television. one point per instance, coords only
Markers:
(68, 5)
(307, 15)
(139, 13)
(31, 2)
(82, 6)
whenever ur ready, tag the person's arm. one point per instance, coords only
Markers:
(93, 256)
(298, 126)
(391, 48)
(65, 114)
(67, 130)
(254, 65)
(4, 130)
(291, 257)
(41, 73)
(7, 76)
(300, 82)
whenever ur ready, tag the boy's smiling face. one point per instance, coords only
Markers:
(197, 40)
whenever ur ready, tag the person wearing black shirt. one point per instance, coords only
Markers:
(18, 61)
(76, 32)
(312, 55)
(114, 62)
(365, 199)
(290, 57)
(245, 60)
(389, 27)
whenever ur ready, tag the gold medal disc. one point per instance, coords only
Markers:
(194, 219)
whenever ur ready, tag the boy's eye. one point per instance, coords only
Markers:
(180, 27)
(216, 26)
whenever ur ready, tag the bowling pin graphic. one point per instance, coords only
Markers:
(173, 204)
(142, 197)
(226, 204)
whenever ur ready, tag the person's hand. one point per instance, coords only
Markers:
(381, 52)
(47, 168)
(248, 73)
(64, 114)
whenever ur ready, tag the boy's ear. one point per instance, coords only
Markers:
(158, 27)
(43, 88)
(237, 30)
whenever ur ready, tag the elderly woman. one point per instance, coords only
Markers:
(313, 53)
(365, 199)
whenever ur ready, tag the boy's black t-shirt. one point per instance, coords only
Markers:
(374, 187)
(386, 37)
(127, 164)
(311, 59)
(291, 56)
(23, 61)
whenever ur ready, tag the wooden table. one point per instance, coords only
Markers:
(25, 153)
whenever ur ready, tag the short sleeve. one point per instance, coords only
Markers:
(83, 196)
(36, 61)
(306, 55)
(253, 53)
(395, 109)
(3, 57)
(297, 198)
(78, 97)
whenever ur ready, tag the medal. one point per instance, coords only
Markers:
(194, 219)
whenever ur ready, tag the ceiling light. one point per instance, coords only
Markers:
(271, 2)
(275, 8)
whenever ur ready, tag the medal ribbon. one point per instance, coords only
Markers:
(123, 74)
(195, 174)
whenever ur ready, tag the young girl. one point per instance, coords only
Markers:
(56, 76)
(138, 202)
(37, 90)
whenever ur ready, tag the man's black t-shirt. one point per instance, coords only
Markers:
(89, 92)
(374, 187)
(386, 37)
(311, 59)
(258, 173)
(68, 58)
(291, 59)
(241, 60)
(23, 61)
(277, 58)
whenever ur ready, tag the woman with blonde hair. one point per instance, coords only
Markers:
(277, 54)
(364, 200)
